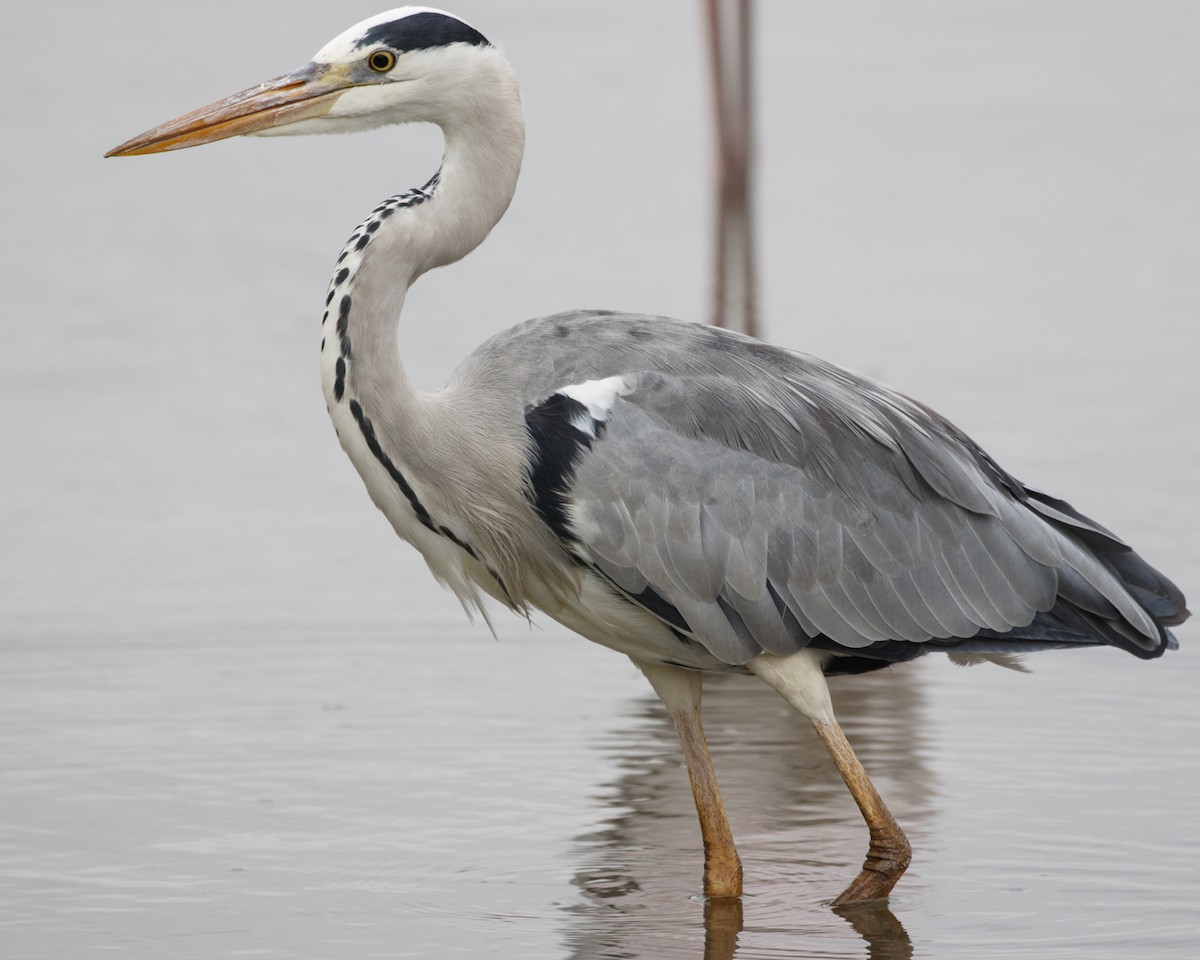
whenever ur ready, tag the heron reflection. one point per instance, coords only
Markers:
(780, 787)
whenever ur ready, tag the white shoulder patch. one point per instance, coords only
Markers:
(598, 396)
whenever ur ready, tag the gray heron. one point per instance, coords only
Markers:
(693, 498)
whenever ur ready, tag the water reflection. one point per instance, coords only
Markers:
(882, 930)
(723, 923)
(800, 836)
(731, 61)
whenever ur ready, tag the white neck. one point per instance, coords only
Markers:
(419, 454)
(415, 232)
(402, 442)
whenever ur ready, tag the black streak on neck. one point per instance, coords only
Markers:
(418, 508)
(368, 432)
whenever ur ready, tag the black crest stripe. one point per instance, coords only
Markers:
(422, 31)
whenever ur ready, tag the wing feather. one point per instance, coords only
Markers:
(776, 501)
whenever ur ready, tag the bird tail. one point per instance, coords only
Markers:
(1159, 597)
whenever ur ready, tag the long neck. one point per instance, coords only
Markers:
(420, 458)
(409, 234)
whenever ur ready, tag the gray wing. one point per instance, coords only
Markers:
(769, 501)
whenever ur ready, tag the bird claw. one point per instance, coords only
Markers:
(887, 859)
(723, 881)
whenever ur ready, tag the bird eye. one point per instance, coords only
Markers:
(381, 61)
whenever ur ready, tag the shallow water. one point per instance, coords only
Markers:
(308, 795)
(237, 719)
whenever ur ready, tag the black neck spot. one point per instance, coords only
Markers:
(343, 325)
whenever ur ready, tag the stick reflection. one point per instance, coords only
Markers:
(730, 51)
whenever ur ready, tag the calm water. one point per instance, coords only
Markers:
(236, 718)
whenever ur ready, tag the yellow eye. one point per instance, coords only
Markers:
(381, 61)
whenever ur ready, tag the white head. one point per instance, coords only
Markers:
(408, 64)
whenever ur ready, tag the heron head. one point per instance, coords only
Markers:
(408, 64)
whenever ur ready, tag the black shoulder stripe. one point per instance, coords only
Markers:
(557, 447)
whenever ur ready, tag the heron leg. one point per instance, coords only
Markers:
(680, 691)
(801, 681)
(889, 853)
